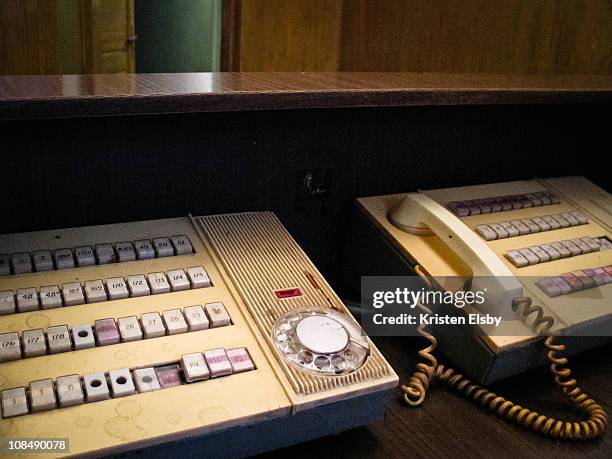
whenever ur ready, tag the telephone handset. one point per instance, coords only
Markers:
(419, 214)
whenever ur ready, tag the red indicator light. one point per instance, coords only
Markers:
(287, 293)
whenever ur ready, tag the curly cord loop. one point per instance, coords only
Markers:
(416, 388)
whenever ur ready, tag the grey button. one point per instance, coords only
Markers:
(486, 232)
(549, 287)
(14, 402)
(563, 251)
(10, 347)
(21, 263)
(125, 251)
(59, 339)
(581, 245)
(178, 280)
(42, 395)
(563, 223)
(117, 288)
(573, 248)
(50, 297)
(519, 225)
(83, 337)
(163, 247)
(34, 343)
(552, 222)
(105, 254)
(146, 380)
(7, 302)
(530, 256)
(573, 221)
(499, 230)
(121, 382)
(73, 294)
(182, 245)
(138, 286)
(5, 264)
(533, 227)
(42, 260)
(544, 226)
(96, 388)
(144, 249)
(69, 390)
(594, 245)
(94, 291)
(27, 299)
(516, 258)
(582, 219)
(510, 228)
(540, 253)
(159, 283)
(85, 256)
(63, 259)
(551, 251)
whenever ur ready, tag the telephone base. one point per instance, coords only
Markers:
(278, 432)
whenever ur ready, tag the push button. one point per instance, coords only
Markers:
(194, 367)
(144, 249)
(196, 318)
(105, 254)
(486, 232)
(85, 256)
(34, 343)
(163, 247)
(7, 302)
(175, 322)
(21, 263)
(218, 362)
(83, 337)
(129, 329)
(168, 376)
(27, 299)
(10, 347)
(178, 280)
(117, 288)
(94, 291)
(96, 387)
(240, 360)
(69, 390)
(59, 339)
(217, 314)
(181, 244)
(14, 402)
(152, 325)
(146, 380)
(159, 283)
(516, 258)
(106, 332)
(198, 277)
(121, 382)
(63, 259)
(42, 260)
(138, 286)
(125, 251)
(50, 297)
(5, 264)
(42, 395)
(73, 294)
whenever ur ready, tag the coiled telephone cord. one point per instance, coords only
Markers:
(416, 388)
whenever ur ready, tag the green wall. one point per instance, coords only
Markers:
(178, 35)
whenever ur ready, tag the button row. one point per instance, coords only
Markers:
(519, 227)
(59, 338)
(95, 291)
(575, 281)
(502, 203)
(73, 390)
(555, 250)
(87, 255)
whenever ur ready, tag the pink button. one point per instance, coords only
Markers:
(240, 360)
(603, 274)
(608, 269)
(218, 362)
(587, 282)
(549, 287)
(106, 332)
(573, 281)
(597, 278)
(168, 376)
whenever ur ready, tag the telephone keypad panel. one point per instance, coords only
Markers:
(520, 227)
(502, 203)
(578, 280)
(555, 250)
(91, 324)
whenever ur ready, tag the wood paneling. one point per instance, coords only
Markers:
(488, 36)
(29, 39)
(287, 35)
(90, 95)
(471, 36)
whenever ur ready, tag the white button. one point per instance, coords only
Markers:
(573, 248)
(512, 231)
(34, 343)
(530, 256)
(218, 362)
(240, 360)
(563, 223)
(499, 230)
(10, 347)
(198, 277)
(42, 395)
(196, 318)
(5, 264)
(182, 245)
(563, 251)
(96, 387)
(125, 251)
(7, 302)
(83, 337)
(50, 297)
(63, 259)
(573, 221)
(486, 232)
(129, 329)
(516, 258)
(152, 325)
(194, 367)
(21, 263)
(550, 250)
(73, 294)
(146, 380)
(94, 291)
(138, 286)
(175, 322)
(581, 245)
(159, 283)
(604, 243)
(27, 299)
(144, 249)
(59, 339)
(14, 402)
(105, 254)
(594, 245)
(85, 256)
(121, 382)
(217, 314)
(69, 390)
(117, 288)
(163, 247)
(178, 280)
(42, 260)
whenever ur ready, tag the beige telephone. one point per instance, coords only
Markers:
(538, 247)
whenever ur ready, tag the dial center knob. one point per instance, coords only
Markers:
(321, 334)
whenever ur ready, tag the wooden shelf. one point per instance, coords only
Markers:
(54, 96)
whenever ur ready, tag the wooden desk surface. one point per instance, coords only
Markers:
(51, 96)
(448, 425)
